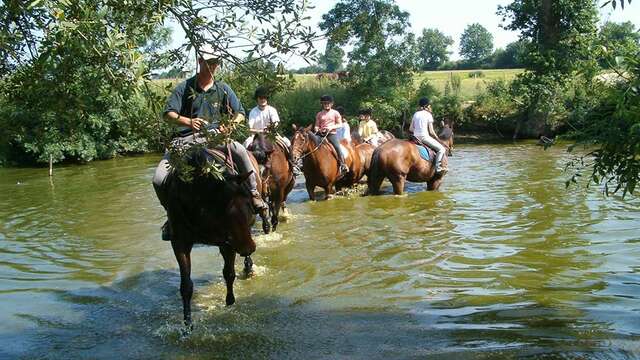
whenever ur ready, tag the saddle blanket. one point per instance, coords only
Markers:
(424, 153)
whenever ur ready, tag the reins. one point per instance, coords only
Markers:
(316, 148)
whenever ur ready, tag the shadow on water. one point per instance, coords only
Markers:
(130, 319)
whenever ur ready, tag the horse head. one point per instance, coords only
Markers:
(261, 148)
(302, 139)
(240, 215)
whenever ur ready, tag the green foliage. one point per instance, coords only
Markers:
(300, 105)
(332, 58)
(511, 57)
(476, 43)
(433, 47)
(618, 39)
(559, 37)
(75, 74)
(613, 128)
(493, 109)
(476, 74)
(383, 53)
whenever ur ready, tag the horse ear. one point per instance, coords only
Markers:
(295, 128)
(308, 128)
(241, 178)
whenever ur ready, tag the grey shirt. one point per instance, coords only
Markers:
(189, 100)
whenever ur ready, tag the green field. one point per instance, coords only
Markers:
(471, 86)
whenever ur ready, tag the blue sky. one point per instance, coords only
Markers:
(452, 17)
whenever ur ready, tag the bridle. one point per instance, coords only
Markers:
(306, 138)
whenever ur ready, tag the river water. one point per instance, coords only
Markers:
(502, 262)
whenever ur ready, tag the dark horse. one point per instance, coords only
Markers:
(319, 162)
(399, 161)
(211, 211)
(277, 176)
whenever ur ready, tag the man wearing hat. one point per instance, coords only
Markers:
(422, 128)
(327, 121)
(200, 102)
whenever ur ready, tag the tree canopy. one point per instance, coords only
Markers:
(74, 74)
(433, 49)
(476, 43)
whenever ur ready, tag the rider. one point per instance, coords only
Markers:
(263, 116)
(344, 131)
(327, 121)
(422, 128)
(367, 128)
(194, 104)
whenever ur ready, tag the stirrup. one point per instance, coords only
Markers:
(166, 231)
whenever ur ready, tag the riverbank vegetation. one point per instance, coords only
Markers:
(75, 76)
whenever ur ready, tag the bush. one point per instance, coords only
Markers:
(493, 109)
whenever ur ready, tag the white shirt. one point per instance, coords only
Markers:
(420, 123)
(344, 132)
(259, 119)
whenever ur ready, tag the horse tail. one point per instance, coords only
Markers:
(374, 177)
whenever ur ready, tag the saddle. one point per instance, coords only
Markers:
(426, 152)
(283, 146)
(343, 149)
(222, 158)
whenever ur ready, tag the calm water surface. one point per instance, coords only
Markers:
(503, 262)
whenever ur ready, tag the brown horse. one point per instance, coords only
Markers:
(278, 179)
(364, 151)
(383, 137)
(446, 136)
(319, 162)
(207, 210)
(399, 161)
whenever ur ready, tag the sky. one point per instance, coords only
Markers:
(451, 17)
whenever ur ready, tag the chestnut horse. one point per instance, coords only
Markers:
(277, 176)
(382, 137)
(400, 161)
(319, 162)
(210, 211)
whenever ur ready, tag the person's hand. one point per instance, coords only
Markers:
(224, 130)
(197, 123)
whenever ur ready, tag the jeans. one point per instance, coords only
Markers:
(435, 145)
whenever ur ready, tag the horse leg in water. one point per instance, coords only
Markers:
(329, 190)
(311, 191)
(264, 216)
(229, 271)
(183, 256)
(276, 201)
(374, 183)
(435, 184)
(248, 265)
(397, 181)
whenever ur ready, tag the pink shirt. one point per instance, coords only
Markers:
(324, 119)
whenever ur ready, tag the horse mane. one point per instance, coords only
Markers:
(315, 138)
(206, 190)
(261, 147)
